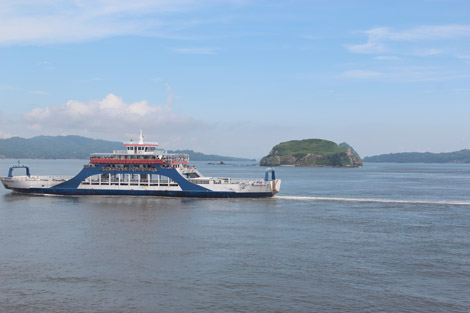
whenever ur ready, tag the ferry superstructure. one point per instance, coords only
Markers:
(142, 169)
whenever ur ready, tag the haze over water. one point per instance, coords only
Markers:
(385, 237)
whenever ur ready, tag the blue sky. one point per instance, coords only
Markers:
(236, 77)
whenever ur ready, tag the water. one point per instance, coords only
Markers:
(382, 238)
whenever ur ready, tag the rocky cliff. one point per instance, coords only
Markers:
(312, 152)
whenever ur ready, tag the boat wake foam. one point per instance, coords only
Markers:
(373, 200)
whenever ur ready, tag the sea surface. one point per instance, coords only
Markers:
(381, 238)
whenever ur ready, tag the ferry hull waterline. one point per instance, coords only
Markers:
(142, 170)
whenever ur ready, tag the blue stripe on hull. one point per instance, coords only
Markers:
(163, 193)
(168, 172)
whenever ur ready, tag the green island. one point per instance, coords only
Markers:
(312, 152)
(77, 147)
(462, 156)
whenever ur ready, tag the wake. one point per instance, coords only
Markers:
(373, 200)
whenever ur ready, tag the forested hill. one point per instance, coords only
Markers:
(76, 147)
(462, 156)
(312, 152)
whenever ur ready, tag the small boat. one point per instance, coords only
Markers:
(142, 169)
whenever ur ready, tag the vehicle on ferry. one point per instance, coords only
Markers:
(142, 168)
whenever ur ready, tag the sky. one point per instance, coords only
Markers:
(236, 77)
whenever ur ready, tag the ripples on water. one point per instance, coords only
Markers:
(385, 237)
(374, 200)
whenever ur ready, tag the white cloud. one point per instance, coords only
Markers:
(439, 32)
(368, 47)
(71, 20)
(58, 28)
(428, 52)
(380, 39)
(407, 74)
(110, 117)
(373, 44)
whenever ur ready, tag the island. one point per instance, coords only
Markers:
(462, 156)
(312, 152)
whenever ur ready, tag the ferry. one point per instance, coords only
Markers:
(142, 168)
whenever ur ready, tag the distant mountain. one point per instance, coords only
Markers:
(76, 147)
(54, 147)
(462, 156)
(312, 152)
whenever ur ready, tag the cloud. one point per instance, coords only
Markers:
(439, 32)
(373, 44)
(43, 21)
(112, 118)
(428, 52)
(109, 117)
(407, 74)
(368, 47)
(380, 39)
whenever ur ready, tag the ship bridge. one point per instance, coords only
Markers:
(143, 153)
(140, 147)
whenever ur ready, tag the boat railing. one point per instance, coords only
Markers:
(130, 169)
(248, 181)
(224, 180)
(175, 158)
(42, 178)
(165, 159)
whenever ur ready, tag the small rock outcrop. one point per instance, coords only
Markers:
(312, 152)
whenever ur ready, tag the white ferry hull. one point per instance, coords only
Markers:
(49, 185)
